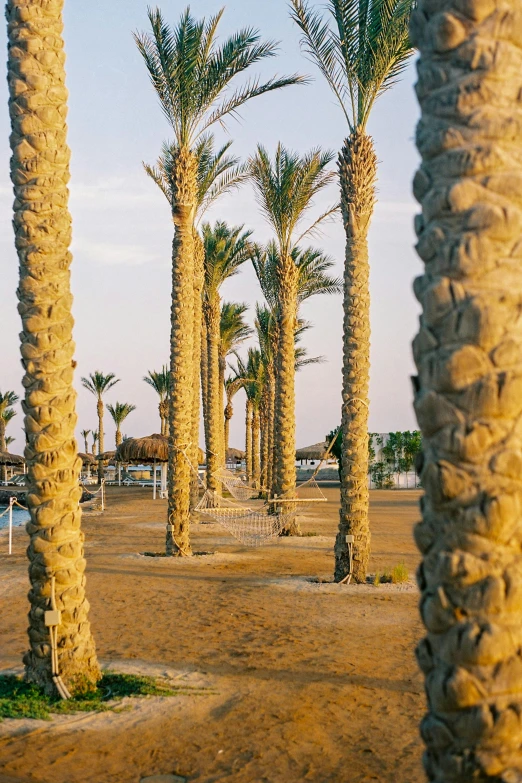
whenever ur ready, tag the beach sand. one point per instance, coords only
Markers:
(284, 680)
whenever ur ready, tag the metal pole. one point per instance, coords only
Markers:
(154, 482)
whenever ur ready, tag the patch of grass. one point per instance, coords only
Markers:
(20, 699)
(163, 554)
(399, 574)
(310, 534)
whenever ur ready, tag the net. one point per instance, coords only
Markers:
(308, 493)
(252, 527)
(237, 485)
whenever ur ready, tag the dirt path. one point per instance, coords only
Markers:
(306, 682)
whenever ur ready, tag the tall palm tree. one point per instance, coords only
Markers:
(85, 434)
(233, 331)
(7, 400)
(467, 392)
(99, 384)
(193, 76)
(119, 412)
(42, 228)
(226, 249)
(160, 383)
(361, 47)
(285, 190)
(217, 173)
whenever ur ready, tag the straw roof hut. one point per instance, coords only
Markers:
(10, 459)
(153, 448)
(233, 454)
(87, 459)
(316, 451)
(107, 456)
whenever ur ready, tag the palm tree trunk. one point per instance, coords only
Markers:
(101, 440)
(222, 370)
(118, 437)
(199, 260)
(357, 169)
(3, 447)
(42, 227)
(256, 454)
(215, 416)
(204, 377)
(229, 412)
(264, 440)
(181, 354)
(162, 417)
(248, 439)
(284, 414)
(85, 444)
(468, 396)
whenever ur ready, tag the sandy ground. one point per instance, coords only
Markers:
(284, 680)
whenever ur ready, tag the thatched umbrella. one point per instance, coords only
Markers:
(107, 456)
(87, 459)
(153, 448)
(7, 459)
(316, 451)
(235, 454)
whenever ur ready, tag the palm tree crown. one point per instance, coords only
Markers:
(233, 328)
(285, 189)
(119, 412)
(159, 381)
(191, 72)
(361, 48)
(225, 250)
(98, 383)
(7, 400)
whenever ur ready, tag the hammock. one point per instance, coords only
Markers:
(237, 485)
(252, 527)
(309, 492)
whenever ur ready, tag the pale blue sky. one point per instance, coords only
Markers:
(122, 229)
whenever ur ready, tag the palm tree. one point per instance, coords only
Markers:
(226, 249)
(42, 229)
(361, 47)
(467, 391)
(232, 386)
(85, 434)
(217, 173)
(119, 412)
(285, 189)
(7, 400)
(233, 331)
(99, 384)
(9, 439)
(192, 75)
(160, 383)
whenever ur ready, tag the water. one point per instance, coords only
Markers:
(20, 517)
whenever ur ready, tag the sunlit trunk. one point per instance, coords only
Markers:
(199, 260)
(248, 439)
(468, 391)
(214, 414)
(42, 227)
(357, 170)
(181, 354)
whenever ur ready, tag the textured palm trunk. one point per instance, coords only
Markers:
(181, 354)
(468, 393)
(199, 278)
(214, 414)
(204, 377)
(85, 444)
(118, 438)
(357, 170)
(264, 439)
(284, 413)
(256, 448)
(248, 439)
(101, 443)
(42, 225)
(229, 412)
(222, 370)
(163, 414)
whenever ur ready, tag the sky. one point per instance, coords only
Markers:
(122, 230)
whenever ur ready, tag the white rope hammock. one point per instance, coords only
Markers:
(252, 527)
(237, 484)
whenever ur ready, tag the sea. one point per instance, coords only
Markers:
(20, 517)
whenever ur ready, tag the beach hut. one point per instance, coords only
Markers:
(10, 460)
(235, 456)
(153, 448)
(314, 452)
